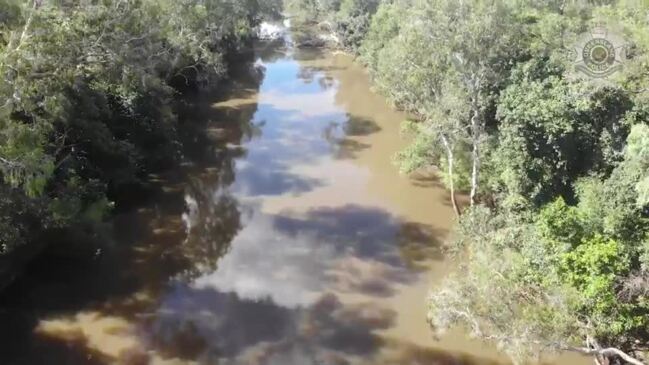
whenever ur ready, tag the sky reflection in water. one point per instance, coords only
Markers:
(274, 298)
(269, 247)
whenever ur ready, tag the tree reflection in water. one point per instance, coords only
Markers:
(212, 220)
(203, 275)
(280, 293)
(84, 310)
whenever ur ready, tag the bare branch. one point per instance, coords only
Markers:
(608, 352)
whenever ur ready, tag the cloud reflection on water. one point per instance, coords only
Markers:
(275, 296)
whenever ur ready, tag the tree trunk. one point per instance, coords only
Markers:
(474, 84)
(23, 34)
(475, 154)
(604, 355)
(449, 157)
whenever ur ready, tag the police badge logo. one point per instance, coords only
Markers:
(600, 53)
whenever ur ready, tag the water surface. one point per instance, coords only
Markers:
(288, 237)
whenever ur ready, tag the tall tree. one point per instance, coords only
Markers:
(481, 42)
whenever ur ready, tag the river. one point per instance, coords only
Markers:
(288, 237)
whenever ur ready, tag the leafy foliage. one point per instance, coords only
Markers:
(88, 92)
(559, 259)
(553, 278)
(349, 20)
(553, 131)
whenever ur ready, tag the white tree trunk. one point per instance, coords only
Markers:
(23, 35)
(450, 161)
(475, 154)
(607, 353)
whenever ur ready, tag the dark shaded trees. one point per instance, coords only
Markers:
(88, 91)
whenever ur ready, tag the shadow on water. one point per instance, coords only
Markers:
(245, 331)
(366, 233)
(340, 136)
(152, 247)
(356, 127)
(227, 329)
(200, 274)
(371, 251)
(346, 149)
(151, 243)
(295, 257)
(353, 127)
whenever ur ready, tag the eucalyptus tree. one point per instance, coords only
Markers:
(411, 72)
(568, 278)
(481, 41)
(470, 44)
(440, 128)
(638, 156)
(384, 28)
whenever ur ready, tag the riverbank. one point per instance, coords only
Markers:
(287, 235)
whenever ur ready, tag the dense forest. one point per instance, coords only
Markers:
(90, 96)
(553, 247)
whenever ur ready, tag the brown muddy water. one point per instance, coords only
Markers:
(288, 238)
